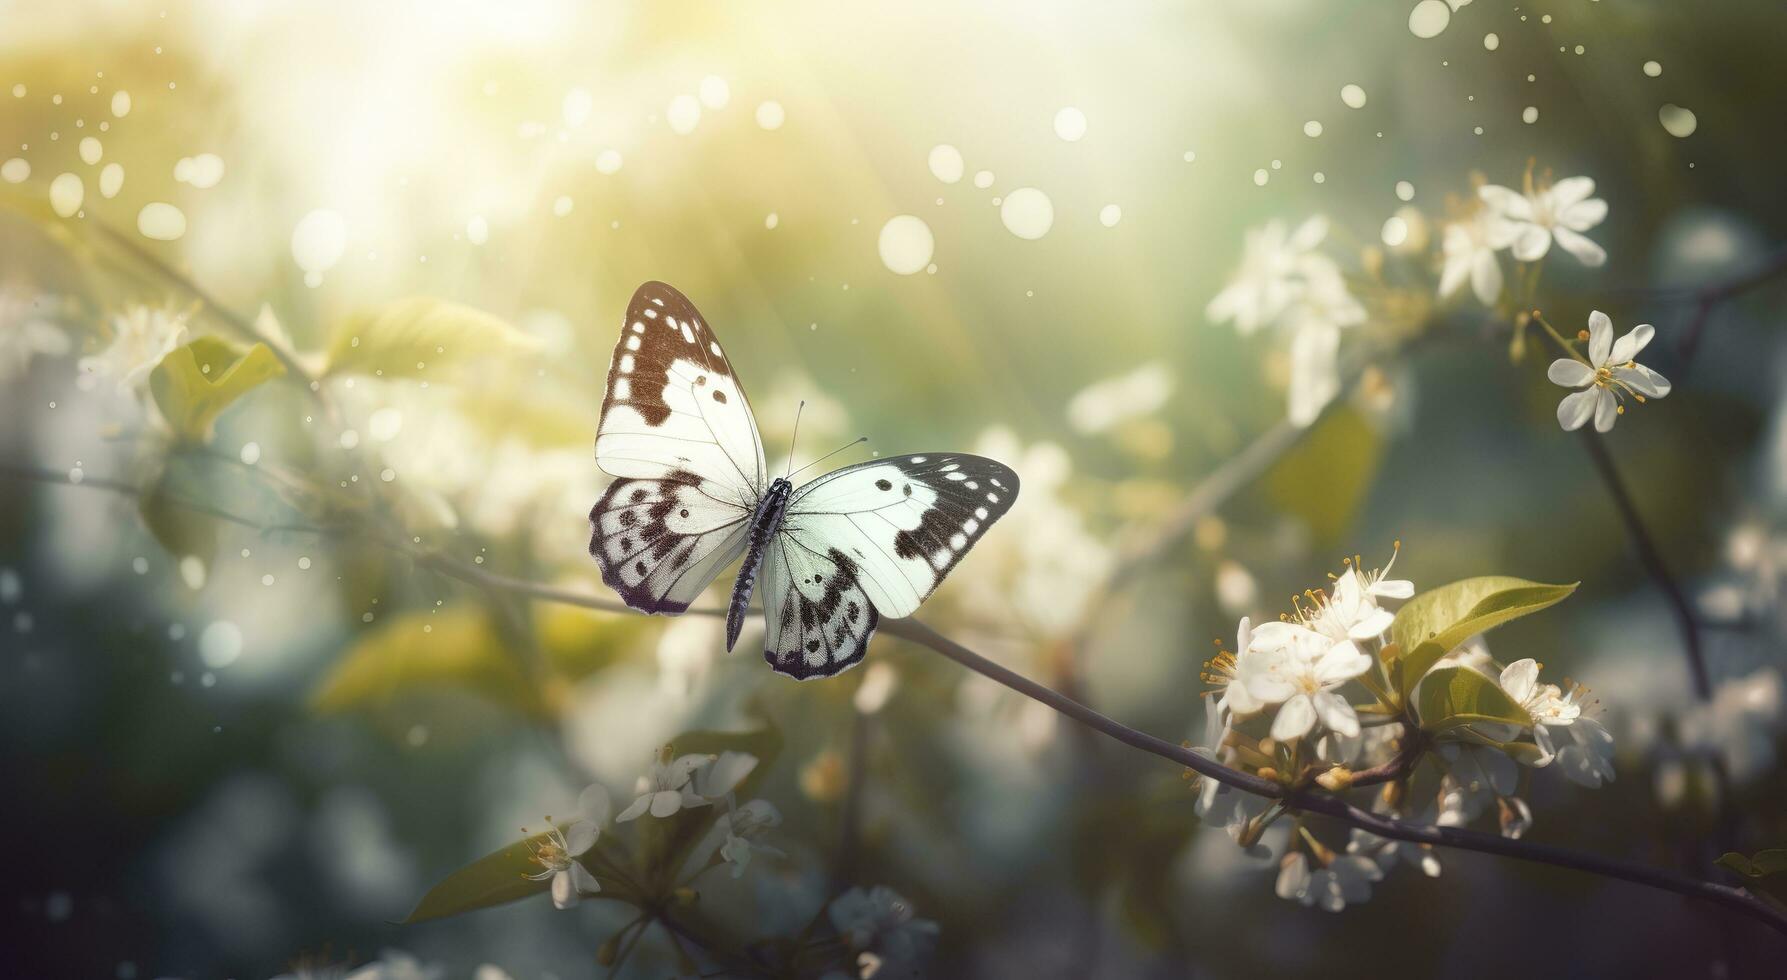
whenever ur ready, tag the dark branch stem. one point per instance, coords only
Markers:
(1708, 299)
(1652, 560)
(1305, 799)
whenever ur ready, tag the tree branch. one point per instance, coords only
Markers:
(1304, 799)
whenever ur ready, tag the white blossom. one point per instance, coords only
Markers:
(1546, 703)
(1470, 248)
(1476, 777)
(1351, 610)
(668, 788)
(1272, 275)
(557, 853)
(1608, 376)
(1586, 755)
(742, 829)
(1299, 673)
(1561, 212)
(880, 920)
(141, 337)
(1347, 879)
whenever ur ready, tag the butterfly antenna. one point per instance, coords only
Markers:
(794, 438)
(834, 452)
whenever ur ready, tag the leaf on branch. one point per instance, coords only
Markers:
(195, 383)
(168, 514)
(1432, 624)
(419, 337)
(1452, 697)
(454, 647)
(1760, 865)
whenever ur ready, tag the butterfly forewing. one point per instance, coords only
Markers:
(903, 521)
(817, 618)
(677, 430)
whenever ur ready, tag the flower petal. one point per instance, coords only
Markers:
(1643, 380)
(1569, 191)
(1584, 215)
(1295, 718)
(1486, 278)
(583, 881)
(1309, 234)
(1531, 243)
(594, 804)
(1506, 201)
(1576, 409)
(1570, 373)
(1343, 661)
(666, 802)
(635, 809)
(1336, 713)
(564, 892)
(582, 836)
(1585, 251)
(1519, 678)
(1600, 337)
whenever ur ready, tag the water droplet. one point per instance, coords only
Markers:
(1405, 191)
(111, 180)
(946, 163)
(1027, 213)
(983, 179)
(1260, 177)
(1312, 129)
(220, 644)
(714, 92)
(1530, 114)
(251, 453)
(770, 115)
(203, 171)
(192, 572)
(66, 193)
(1679, 122)
(1653, 68)
(477, 230)
(304, 563)
(1429, 18)
(906, 244)
(608, 162)
(1395, 232)
(139, 565)
(1320, 178)
(683, 114)
(15, 171)
(771, 220)
(1353, 96)
(1070, 124)
(120, 104)
(162, 222)
(318, 242)
(563, 205)
(387, 474)
(1491, 41)
(1190, 156)
(1109, 215)
(91, 150)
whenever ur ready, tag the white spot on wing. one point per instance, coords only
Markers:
(632, 343)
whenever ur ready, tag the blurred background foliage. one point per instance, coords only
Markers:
(234, 748)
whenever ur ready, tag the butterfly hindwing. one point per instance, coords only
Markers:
(903, 522)
(817, 618)
(661, 542)
(678, 433)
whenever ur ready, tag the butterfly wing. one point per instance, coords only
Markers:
(817, 618)
(899, 525)
(678, 433)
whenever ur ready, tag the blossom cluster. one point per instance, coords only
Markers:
(1311, 700)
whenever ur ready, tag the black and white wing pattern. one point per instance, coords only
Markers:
(871, 540)
(678, 434)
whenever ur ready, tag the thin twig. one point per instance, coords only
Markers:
(1652, 560)
(1710, 297)
(1300, 799)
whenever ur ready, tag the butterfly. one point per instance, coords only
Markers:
(691, 495)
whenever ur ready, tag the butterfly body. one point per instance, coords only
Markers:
(691, 496)
(764, 524)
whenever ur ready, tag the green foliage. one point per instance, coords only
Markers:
(1759, 865)
(195, 383)
(456, 646)
(1433, 623)
(419, 337)
(1456, 696)
(494, 879)
(166, 509)
(1325, 479)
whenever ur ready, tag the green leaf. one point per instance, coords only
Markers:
(1456, 696)
(166, 511)
(1760, 865)
(1327, 477)
(419, 337)
(1431, 624)
(195, 383)
(455, 646)
(494, 879)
